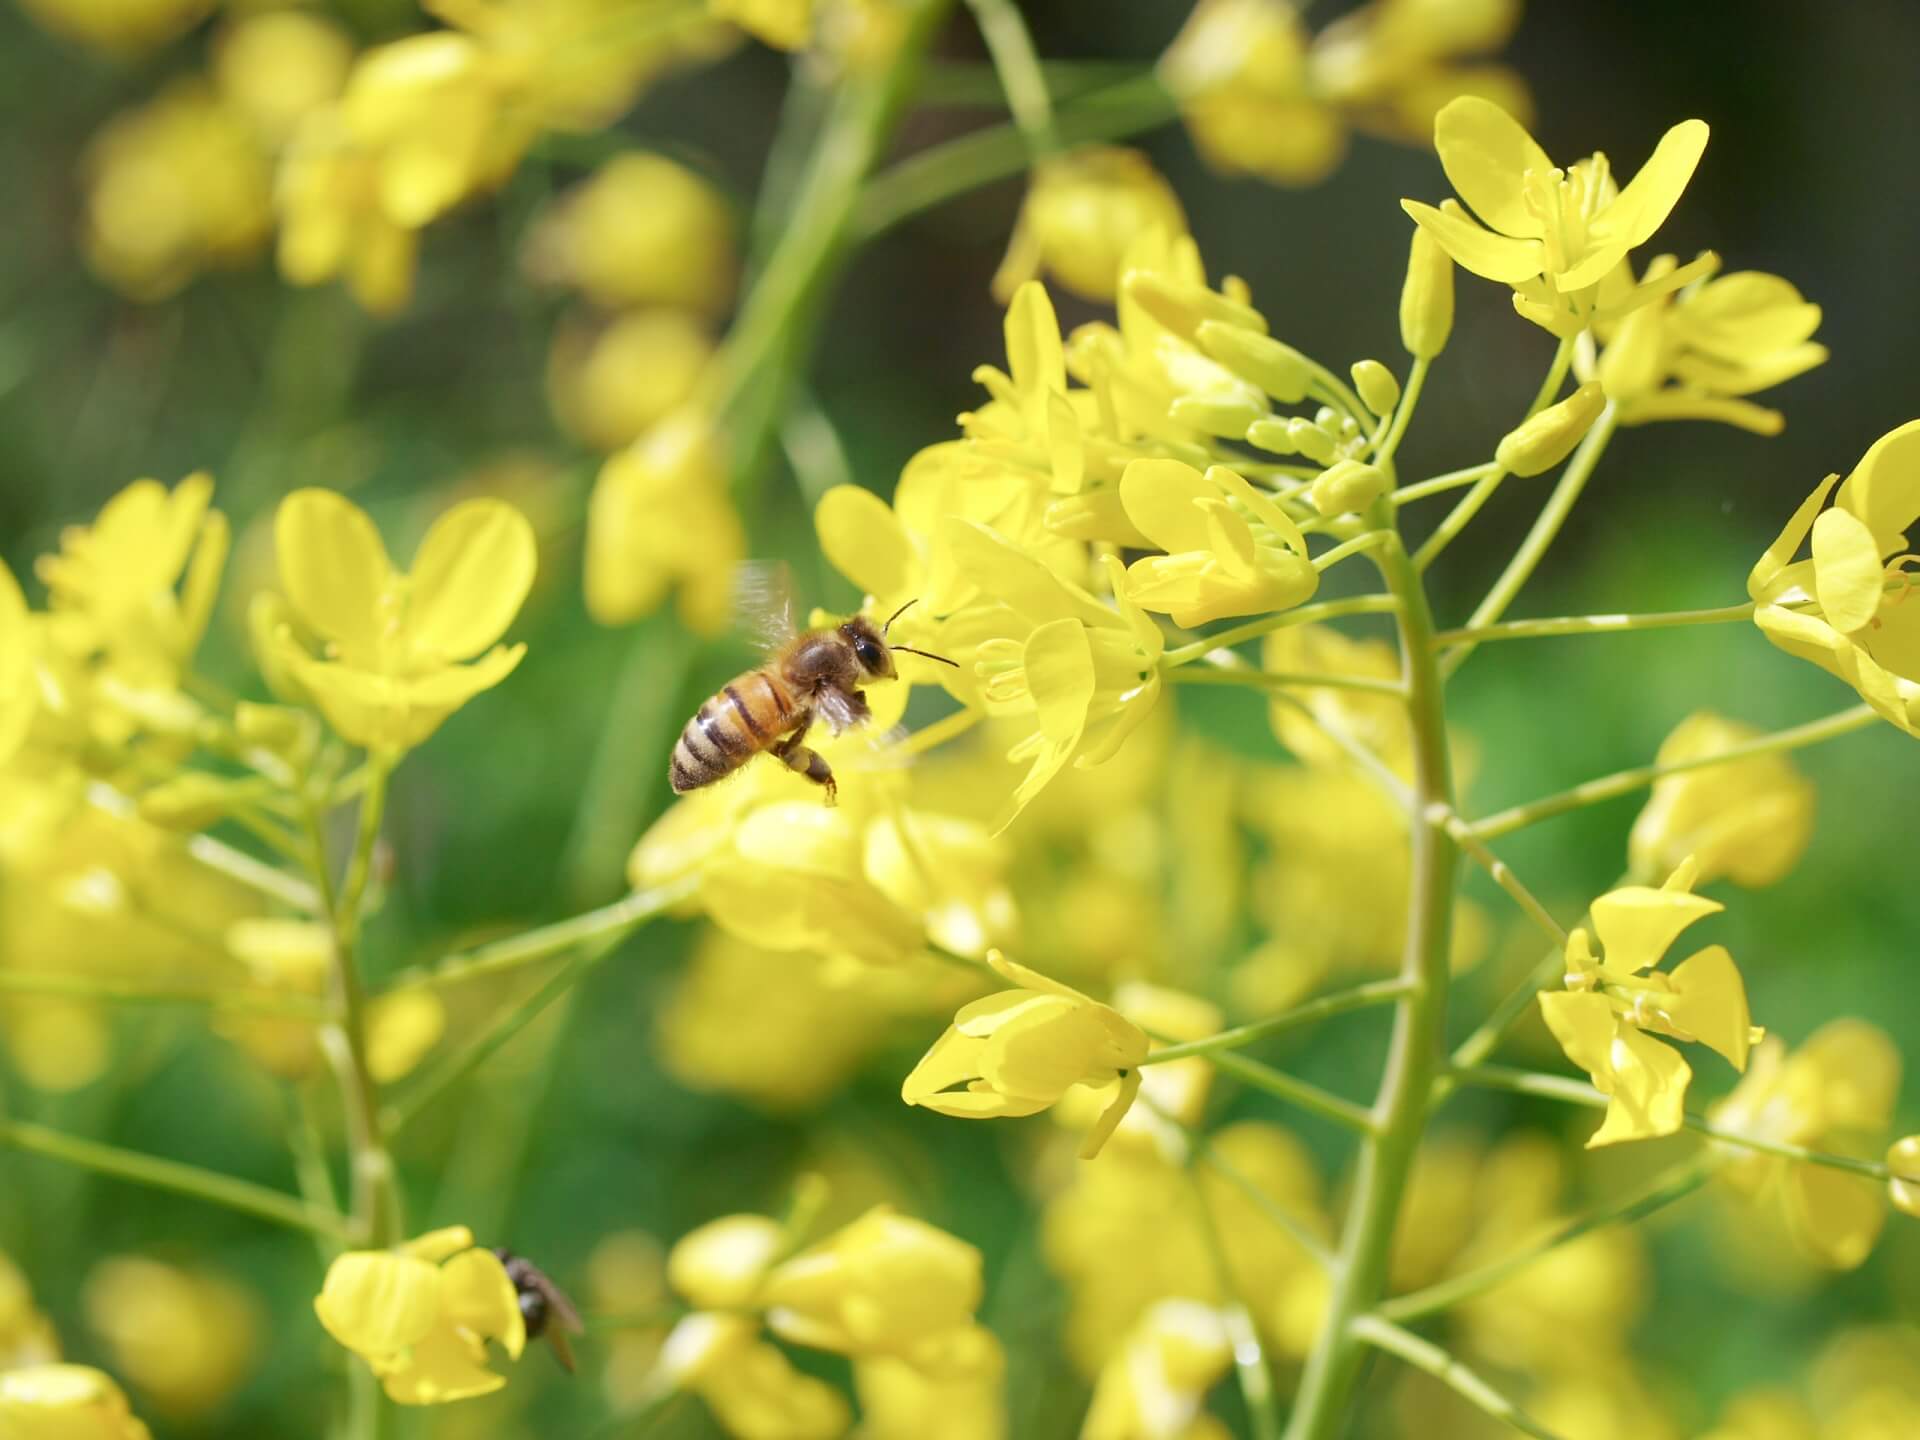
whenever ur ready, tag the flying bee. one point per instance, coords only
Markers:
(544, 1306)
(815, 672)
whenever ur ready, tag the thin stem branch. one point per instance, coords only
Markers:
(1207, 1153)
(1286, 619)
(1556, 376)
(1546, 529)
(1625, 782)
(1441, 484)
(1593, 625)
(216, 1189)
(1403, 413)
(1364, 759)
(1346, 549)
(1463, 836)
(1021, 77)
(1458, 518)
(1427, 1356)
(127, 992)
(1249, 678)
(1303, 1093)
(1377, 992)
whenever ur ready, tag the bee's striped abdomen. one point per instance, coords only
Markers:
(729, 729)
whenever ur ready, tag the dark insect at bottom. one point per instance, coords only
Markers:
(544, 1306)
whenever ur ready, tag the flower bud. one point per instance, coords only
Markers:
(1084, 213)
(1310, 440)
(1903, 1187)
(190, 802)
(1548, 438)
(287, 732)
(1749, 820)
(1346, 487)
(1426, 300)
(1184, 308)
(1379, 391)
(1275, 366)
(1227, 416)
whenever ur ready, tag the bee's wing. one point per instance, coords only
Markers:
(559, 1307)
(840, 710)
(763, 602)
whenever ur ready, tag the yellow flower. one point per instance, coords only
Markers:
(1221, 559)
(1836, 1092)
(642, 230)
(961, 1401)
(1154, 1385)
(1844, 609)
(886, 1284)
(26, 1336)
(1694, 356)
(1017, 1052)
(1390, 64)
(1378, 722)
(1083, 212)
(1600, 1019)
(1903, 1160)
(186, 1338)
(332, 223)
(749, 1384)
(402, 1029)
(176, 186)
(117, 25)
(612, 381)
(783, 24)
(421, 1315)
(277, 66)
(1553, 235)
(1085, 675)
(65, 1402)
(660, 519)
(390, 670)
(19, 694)
(1749, 820)
(287, 957)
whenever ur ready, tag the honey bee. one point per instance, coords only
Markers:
(815, 672)
(543, 1305)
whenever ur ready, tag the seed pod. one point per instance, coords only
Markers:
(1347, 487)
(1379, 391)
(1426, 300)
(1549, 437)
(1276, 367)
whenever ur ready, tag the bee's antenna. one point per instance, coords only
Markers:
(895, 616)
(928, 654)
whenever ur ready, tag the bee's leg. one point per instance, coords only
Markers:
(810, 763)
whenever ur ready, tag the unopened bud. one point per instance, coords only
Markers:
(189, 802)
(1275, 366)
(1273, 435)
(1347, 487)
(1426, 300)
(1379, 391)
(1310, 440)
(1183, 308)
(1903, 1183)
(1549, 437)
(281, 729)
(1227, 416)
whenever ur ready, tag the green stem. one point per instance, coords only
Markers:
(1415, 1051)
(126, 992)
(956, 167)
(1363, 758)
(1625, 782)
(1021, 76)
(1579, 1092)
(1441, 484)
(500, 957)
(1250, 678)
(1502, 875)
(1403, 413)
(1377, 992)
(1458, 518)
(1593, 625)
(1549, 390)
(1203, 1150)
(216, 1189)
(1546, 528)
(1252, 629)
(1359, 545)
(1663, 1190)
(1294, 1091)
(1480, 1044)
(1425, 1355)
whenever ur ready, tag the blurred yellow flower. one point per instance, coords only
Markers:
(176, 186)
(1222, 558)
(1017, 1052)
(1844, 609)
(1835, 1093)
(65, 1402)
(119, 25)
(661, 520)
(1553, 235)
(1392, 65)
(286, 957)
(1082, 214)
(332, 223)
(18, 693)
(720, 1265)
(1154, 1384)
(1301, 722)
(783, 24)
(1749, 820)
(643, 230)
(1903, 1161)
(962, 1400)
(185, 1337)
(421, 1315)
(886, 1284)
(748, 1383)
(402, 1029)
(26, 1336)
(390, 666)
(1695, 356)
(1602, 1017)
(276, 66)
(610, 382)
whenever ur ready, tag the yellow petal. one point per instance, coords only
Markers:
(1111, 1117)
(1636, 923)
(1710, 1003)
(1649, 1089)
(1847, 575)
(1162, 498)
(1848, 1074)
(1643, 206)
(1034, 353)
(1884, 488)
(1060, 677)
(376, 1303)
(1490, 256)
(863, 539)
(1835, 1215)
(469, 579)
(1903, 1161)
(1584, 1024)
(333, 567)
(16, 667)
(438, 1245)
(477, 1295)
(1487, 154)
(1765, 577)
(442, 1367)
(719, 1266)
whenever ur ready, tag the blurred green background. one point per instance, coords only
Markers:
(575, 1131)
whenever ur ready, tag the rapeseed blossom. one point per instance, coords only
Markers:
(392, 643)
(1614, 1004)
(1844, 608)
(422, 1315)
(276, 66)
(1222, 559)
(185, 1338)
(1749, 820)
(1083, 212)
(610, 381)
(1155, 1383)
(65, 1402)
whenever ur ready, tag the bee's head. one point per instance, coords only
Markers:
(870, 648)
